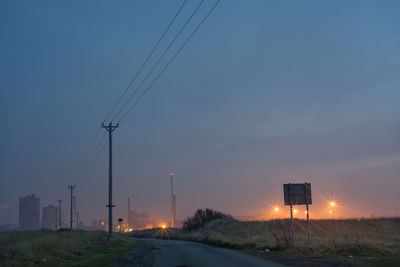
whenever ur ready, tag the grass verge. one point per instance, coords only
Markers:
(48, 248)
(362, 242)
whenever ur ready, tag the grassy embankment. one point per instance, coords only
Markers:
(366, 242)
(48, 248)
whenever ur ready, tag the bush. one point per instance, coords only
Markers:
(201, 217)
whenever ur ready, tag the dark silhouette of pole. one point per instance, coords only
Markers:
(172, 202)
(74, 206)
(307, 192)
(77, 220)
(71, 187)
(59, 211)
(291, 216)
(110, 128)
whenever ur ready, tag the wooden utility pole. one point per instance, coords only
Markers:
(110, 128)
(172, 202)
(59, 212)
(71, 187)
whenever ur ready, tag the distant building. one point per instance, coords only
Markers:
(137, 220)
(50, 218)
(96, 224)
(29, 212)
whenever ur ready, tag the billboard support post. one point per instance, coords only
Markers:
(298, 194)
(308, 212)
(291, 226)
(291, 217)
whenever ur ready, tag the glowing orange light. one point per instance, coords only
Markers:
(295, 211)
(330, 211)
(276, 209)
(333, 204)
(163, 226)
(305, 212)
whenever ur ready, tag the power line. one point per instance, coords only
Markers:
(91, 156)
(90, 163)
(159, 59)
(94, 158)
(85, 159)
(170, 61)
(94, 154)
(84, 164)
(146, 60)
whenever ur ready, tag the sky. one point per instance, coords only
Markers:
(265, 93)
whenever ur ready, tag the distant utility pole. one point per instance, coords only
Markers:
(59, 211)
(173, 213)
(71, 187)
(77, 221)
(74, 207)
(110, 128)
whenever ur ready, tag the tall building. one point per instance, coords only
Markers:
(50, 217)
(29, 212)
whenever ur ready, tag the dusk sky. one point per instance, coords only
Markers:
(265, 93)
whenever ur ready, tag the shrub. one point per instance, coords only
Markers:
(201, 217)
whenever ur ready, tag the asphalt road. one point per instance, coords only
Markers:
(171, 253)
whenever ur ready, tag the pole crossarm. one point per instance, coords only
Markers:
(109, 128)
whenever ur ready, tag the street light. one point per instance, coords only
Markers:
(333, 204)
(276, 209)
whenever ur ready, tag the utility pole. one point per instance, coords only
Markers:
(71, 187)
(172, 202)
(110, 128)
(59, 211)
(74, 208)
(77, 220)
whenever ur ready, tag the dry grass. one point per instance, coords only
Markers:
(365, 237)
